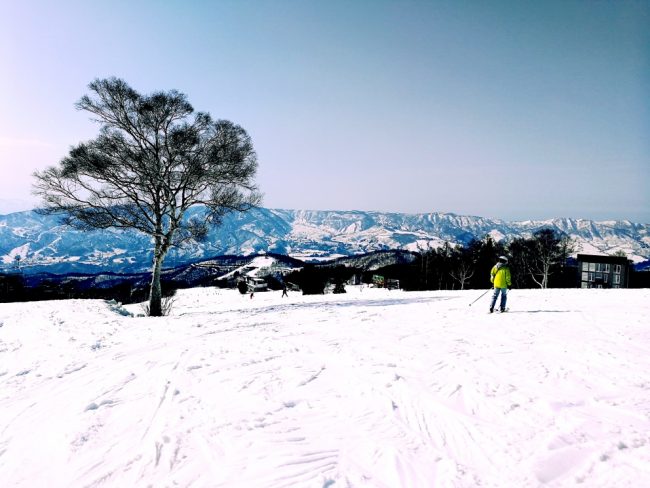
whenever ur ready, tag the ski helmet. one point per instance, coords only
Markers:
(503, 259)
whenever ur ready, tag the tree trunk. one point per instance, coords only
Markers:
(547, 269)
(155, 293)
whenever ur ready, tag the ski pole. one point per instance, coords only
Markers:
(480, 297)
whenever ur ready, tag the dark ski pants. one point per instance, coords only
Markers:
(504, 298)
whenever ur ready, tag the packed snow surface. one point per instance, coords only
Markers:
(373, 388)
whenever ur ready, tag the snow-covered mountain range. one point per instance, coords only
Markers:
(40, 243)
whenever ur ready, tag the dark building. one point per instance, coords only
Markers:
(603, 271)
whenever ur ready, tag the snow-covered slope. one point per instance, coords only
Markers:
(374, 388)
(43, 245)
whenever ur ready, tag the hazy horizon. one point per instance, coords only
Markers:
(356, 210)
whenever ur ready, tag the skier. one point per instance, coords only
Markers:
(500, 277)
(284, 291)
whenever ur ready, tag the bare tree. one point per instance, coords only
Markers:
(548, 250)
(462, 266)
(153, 159)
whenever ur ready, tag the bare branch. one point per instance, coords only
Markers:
(152, 160)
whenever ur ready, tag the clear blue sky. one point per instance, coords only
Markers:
(514, 109)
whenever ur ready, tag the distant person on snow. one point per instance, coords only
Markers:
(500, 277)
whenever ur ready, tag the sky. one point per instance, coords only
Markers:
(512, 110)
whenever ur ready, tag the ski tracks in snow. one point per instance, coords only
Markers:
(410, 390)
(364, 395)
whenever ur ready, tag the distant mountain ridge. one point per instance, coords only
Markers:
(42, 244)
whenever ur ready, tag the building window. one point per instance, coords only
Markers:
(605, 278)
(617, 269)
(592, 266)
(585, 276)
(617, 280)
(585, 266)
(606, 270)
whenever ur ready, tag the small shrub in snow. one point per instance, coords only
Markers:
(339, 288)
(242, 287)
(166, 305)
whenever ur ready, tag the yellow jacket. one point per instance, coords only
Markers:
(500, 276)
